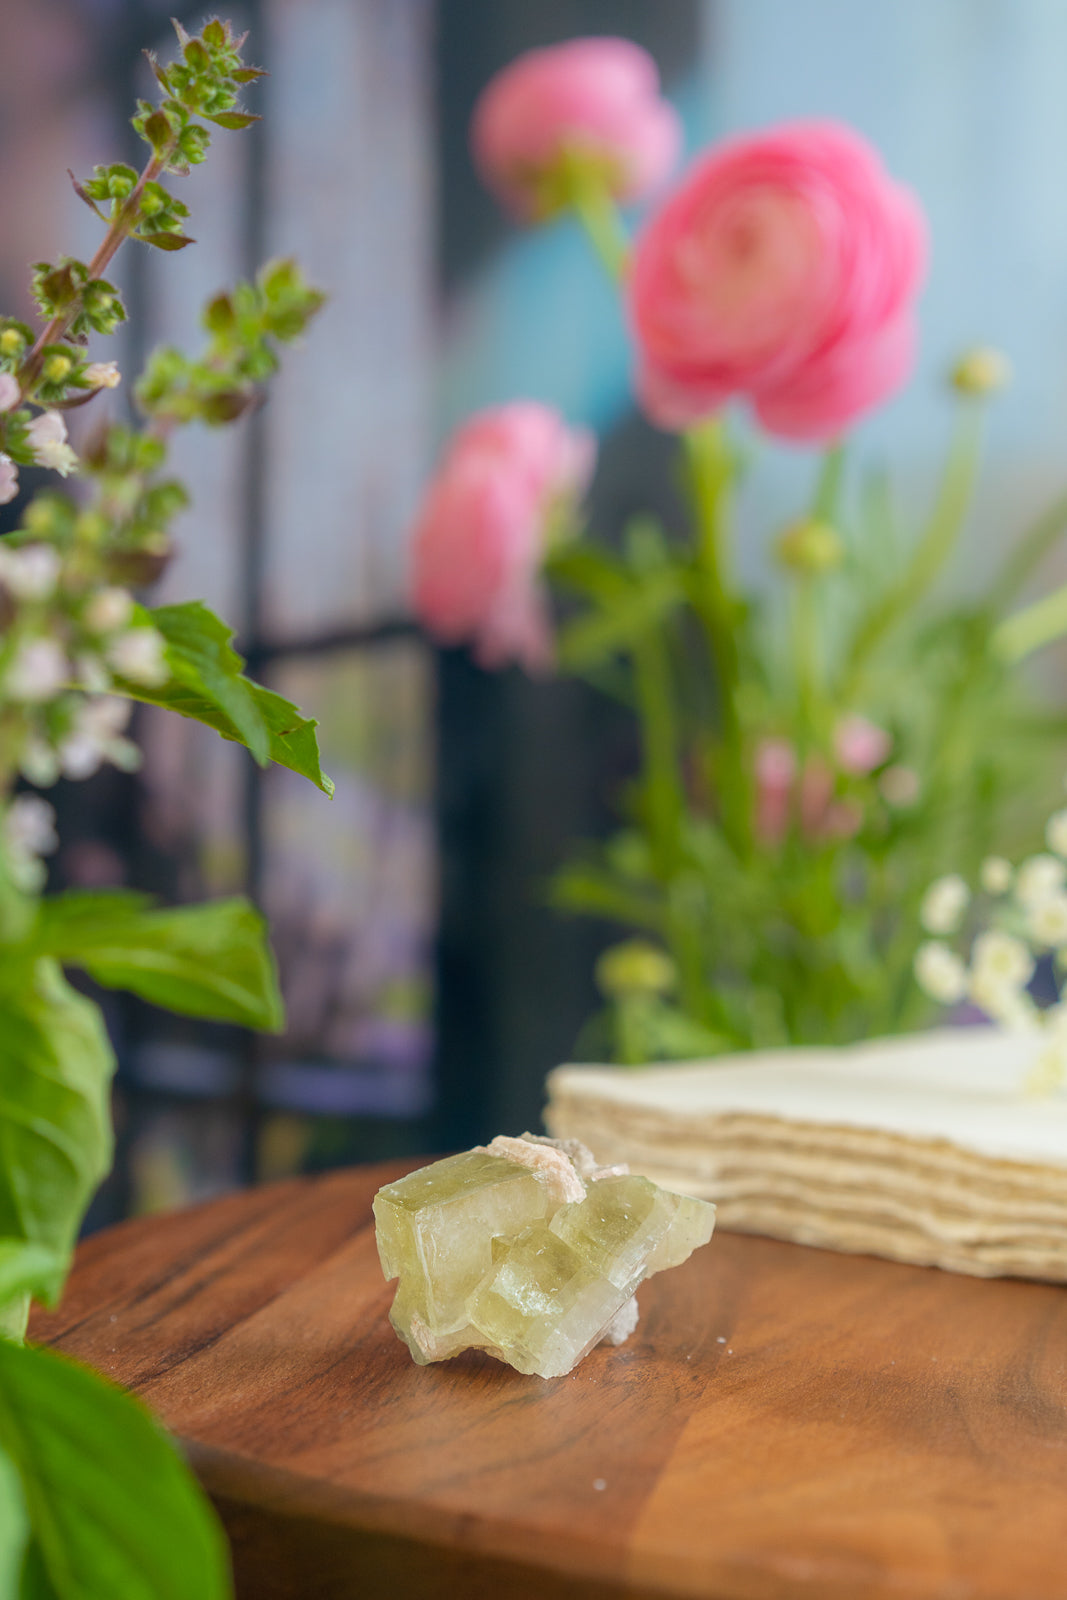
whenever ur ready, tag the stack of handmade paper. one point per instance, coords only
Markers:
(926, 1149)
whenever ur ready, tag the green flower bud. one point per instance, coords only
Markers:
(981, 371)
(810, 546)
(56, 368)
(635, 968)
(12, 344)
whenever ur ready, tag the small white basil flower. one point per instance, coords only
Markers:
(9, 391)
(138, 654)
(944, 903)
(9, 480)
(30, 825)
(103, 375)
(96, 737)
(32, 572)
(108, 610)
(38, 671)
(47, 435)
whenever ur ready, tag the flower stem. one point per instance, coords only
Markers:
(593, 205)
(1031, 549)
(933, 550)
(710, 474)
(1034, 626)
(805, 655)
(828, 487)
(118, 232)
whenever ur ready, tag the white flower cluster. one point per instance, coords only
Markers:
(1031, 922)
(62, 652)
(28, 830)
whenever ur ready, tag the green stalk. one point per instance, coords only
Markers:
(933, 550)
(118, 232)
(1034, 626)
(663, 790)
(710, 475)
(599, 216)
(828, 487)
(1030, 551)
(805, 656)
(665, 810)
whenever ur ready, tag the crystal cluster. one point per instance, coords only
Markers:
(527, 1249)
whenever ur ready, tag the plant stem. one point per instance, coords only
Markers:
(1034, 626)
(665, 809)
(118, 231)
(663, 790)
(599, 216)
(710, 473)
(805, 656)
(828, 487)
(1034, 545)
(933, 550)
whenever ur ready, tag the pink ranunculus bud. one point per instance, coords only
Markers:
(775, 770)
(484, 526)
(822, 814)
(860, 745)
(783, 270)
(594, 100)
(9, 391)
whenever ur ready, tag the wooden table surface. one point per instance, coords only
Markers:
(785, 1422)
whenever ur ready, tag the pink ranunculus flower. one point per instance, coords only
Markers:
(783, 270)
(594, 99)
(860, 745)
(484, 526)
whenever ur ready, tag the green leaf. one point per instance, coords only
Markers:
(208, 685)
(207, 670)
(31, 1269)
(591, 639)
(590, 890)
(211, 960)
(55, 1121)
(233, 119)
(113, 1509)
(165, 241)
(292, 738)
(14, 1527)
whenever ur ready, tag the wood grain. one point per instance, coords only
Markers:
(785, 1423)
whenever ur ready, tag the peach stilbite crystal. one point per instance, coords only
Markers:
(526, 1249)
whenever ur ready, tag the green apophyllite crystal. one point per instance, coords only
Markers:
(528, 1250)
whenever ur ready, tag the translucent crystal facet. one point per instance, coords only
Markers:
(526, 1249)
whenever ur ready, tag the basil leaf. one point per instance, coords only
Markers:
(112, 1508)
(30, 1269)
(14, 1528)
(55, 1124)
(208, 685)
(212, 960)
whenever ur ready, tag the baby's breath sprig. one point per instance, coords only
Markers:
(1025, 917)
